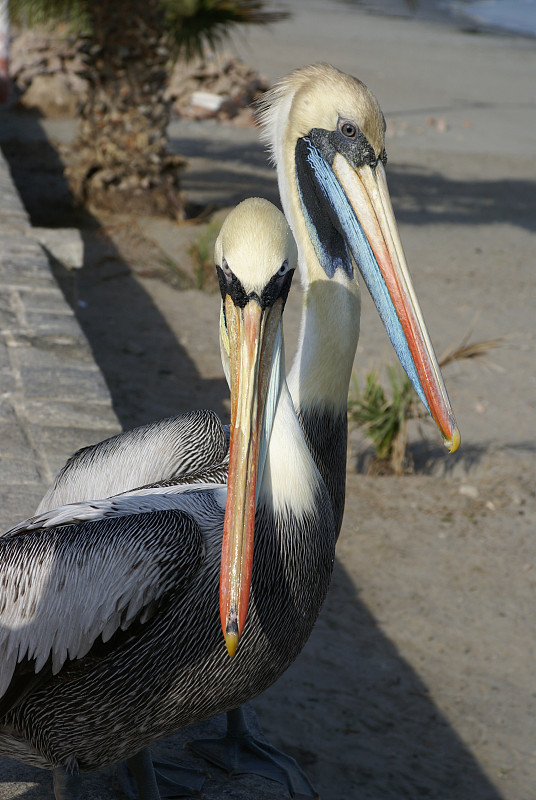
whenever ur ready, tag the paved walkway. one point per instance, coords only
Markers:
(53, 398)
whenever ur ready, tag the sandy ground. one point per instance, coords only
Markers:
(418, 680)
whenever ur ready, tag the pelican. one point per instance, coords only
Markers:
(325, 131)
(326, 134)
(111, 609)
(191, 447)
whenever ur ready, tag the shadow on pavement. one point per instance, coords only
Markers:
(117, 315)
(419, 196)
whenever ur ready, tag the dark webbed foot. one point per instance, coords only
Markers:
(240, 753)
(66, 784)
(161, 780)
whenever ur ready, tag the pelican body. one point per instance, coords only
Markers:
(110, 629)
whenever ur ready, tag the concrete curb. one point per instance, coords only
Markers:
(53, 397)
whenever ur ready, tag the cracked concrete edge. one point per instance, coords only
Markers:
(53, 396)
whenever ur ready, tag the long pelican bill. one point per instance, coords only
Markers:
(252, 332)
(372, 236)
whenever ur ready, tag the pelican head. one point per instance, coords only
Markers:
(255, 258)
(326, 133)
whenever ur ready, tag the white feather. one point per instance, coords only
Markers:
(81, 588)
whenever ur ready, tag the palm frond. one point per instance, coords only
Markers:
(467, 350)
(193, 25)
(49, 12)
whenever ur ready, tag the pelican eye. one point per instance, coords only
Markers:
(283, 269)
(348, 129)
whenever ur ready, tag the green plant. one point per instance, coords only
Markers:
(385, 419)
(190, 25)
(384, 416)
(202, 252)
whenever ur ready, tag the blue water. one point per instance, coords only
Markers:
(500, 16)
(510, 16)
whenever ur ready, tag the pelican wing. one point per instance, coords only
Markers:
(64, 586)
(193, 444)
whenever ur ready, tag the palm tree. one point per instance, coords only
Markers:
(119, 159)
(4, 51)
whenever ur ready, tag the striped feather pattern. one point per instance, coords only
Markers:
(175, 669)
(101, 574)
(326, 434)
(188, 444)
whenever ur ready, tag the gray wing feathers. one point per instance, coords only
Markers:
(61, 589)
(160, 451)
(189, 498)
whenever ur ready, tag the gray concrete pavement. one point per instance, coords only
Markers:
(52, 394)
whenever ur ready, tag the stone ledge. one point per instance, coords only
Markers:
(49, 377)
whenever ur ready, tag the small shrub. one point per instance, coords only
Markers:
(384, 419)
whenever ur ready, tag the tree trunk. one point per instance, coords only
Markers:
(4, 51)
(120, 160)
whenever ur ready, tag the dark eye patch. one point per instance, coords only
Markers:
(356, 148)
(277, 287)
